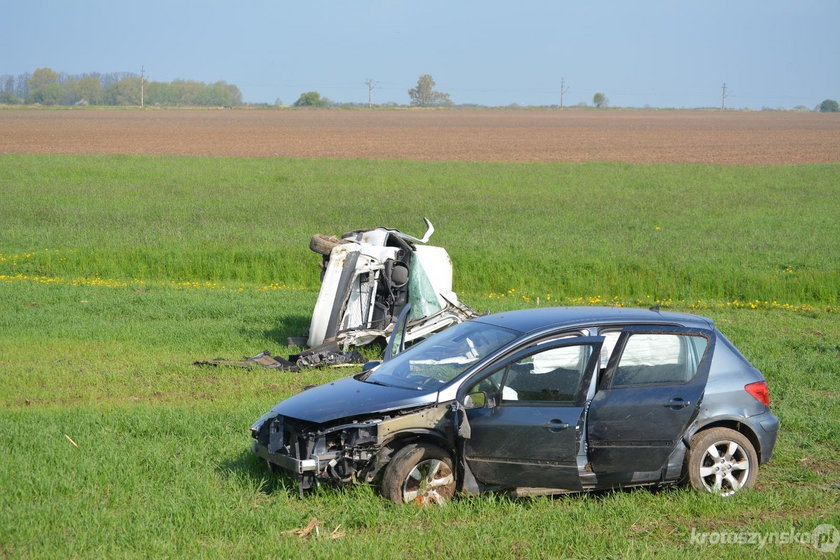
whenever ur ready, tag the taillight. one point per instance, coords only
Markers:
(760, 391)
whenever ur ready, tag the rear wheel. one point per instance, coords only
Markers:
(721, 461)
(421, 473)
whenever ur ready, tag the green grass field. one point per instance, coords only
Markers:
(116, 273)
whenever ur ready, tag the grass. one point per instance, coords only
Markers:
(119, 272)
(683, 232)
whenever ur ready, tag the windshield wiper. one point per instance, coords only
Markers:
(376, 382)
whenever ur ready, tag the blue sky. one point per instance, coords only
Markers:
(662, 53)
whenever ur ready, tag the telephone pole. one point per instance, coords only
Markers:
(370, 83)
(142, 87)
(723, 97)
(563, 90)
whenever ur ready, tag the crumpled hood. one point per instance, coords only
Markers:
(349, 397)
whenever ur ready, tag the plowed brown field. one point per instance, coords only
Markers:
(645, 136)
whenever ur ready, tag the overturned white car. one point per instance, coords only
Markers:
(368, 278)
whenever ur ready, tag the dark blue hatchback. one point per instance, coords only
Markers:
(535, 401)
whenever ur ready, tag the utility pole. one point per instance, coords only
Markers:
(563, 90)
(142, 87)
(370, 84)
(723, 97)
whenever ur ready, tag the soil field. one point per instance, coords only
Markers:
(645, 136)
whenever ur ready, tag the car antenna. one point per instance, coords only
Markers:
(655, 308)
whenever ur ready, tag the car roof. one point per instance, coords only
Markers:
(550, 318)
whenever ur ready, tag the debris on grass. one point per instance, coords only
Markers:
(314, 527)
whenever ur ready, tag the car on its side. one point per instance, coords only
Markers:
(538, 401)
(369, 275)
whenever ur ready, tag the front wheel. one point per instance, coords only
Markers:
(421, 473)
(721, 461)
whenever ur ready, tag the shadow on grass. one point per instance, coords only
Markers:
(250, 468)
(246, 466)
(288, 326)
(284, 328)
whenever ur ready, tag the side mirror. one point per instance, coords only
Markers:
(475, 400)
(367, 366)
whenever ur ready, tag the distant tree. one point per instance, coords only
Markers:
(600, 100)
(8, 82)
(188, 92)
(42, 77)
(8, 94)
(311, 99)
(224, 94)
(829, 106)
(89, 89)
(22, 86)
(424, 95)
(160, 93)
(123, 92)
(44, 87)
(69, 90)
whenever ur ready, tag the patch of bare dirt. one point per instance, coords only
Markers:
(644, 136)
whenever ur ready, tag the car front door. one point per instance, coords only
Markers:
(528, 434)
(650, 392)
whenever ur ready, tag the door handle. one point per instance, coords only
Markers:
(677, 403)
(556, 425)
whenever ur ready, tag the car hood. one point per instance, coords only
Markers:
(349, 397)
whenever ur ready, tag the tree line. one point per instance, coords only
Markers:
(44, 86)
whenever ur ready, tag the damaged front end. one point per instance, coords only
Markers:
(343, 451)
(369, 276)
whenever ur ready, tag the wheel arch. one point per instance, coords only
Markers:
(398, 440)
(734, 425)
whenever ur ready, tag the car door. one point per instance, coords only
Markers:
(650, 392)
(528, 434)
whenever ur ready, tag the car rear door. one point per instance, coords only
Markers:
(646, 398)
(529, 434)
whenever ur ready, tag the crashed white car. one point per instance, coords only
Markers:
(368, 278)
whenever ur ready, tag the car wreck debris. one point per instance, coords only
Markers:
(326, 354)
(264, 359)
(368, 277)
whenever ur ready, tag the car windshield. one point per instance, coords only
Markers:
(442, 357)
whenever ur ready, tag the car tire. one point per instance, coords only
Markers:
(323, 244)
(420, 473)
(721, 461)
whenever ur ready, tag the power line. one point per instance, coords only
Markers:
(563, 90)
(370, 83)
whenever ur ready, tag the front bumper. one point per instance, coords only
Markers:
(285, 462)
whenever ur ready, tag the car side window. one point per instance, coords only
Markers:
(549, 376)
(650, 359)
